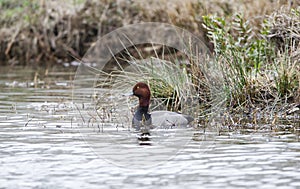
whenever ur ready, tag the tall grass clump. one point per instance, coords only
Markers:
(260, 68)
(285, 34)
(241, 55)
(171, 84)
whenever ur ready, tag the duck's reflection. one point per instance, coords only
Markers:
(144, 138)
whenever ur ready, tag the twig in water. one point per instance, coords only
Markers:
(27, 122)
(80, 113)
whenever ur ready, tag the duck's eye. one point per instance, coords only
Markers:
(137, 87)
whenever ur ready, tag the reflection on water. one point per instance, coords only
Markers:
(43, 147)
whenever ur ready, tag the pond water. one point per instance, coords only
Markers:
(43, 147)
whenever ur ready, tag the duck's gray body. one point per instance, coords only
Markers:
(161, 119)
(167, 118)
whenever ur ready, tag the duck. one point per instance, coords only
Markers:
(142, 118)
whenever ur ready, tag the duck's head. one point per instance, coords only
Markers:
(142, 91)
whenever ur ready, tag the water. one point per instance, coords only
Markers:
(43, 147)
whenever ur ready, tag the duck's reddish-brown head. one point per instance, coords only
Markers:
(142, 91)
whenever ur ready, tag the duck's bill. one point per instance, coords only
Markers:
(128, 94)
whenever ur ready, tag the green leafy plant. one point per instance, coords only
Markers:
(240, 53)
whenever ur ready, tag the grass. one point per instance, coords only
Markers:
(258, 76)
(19, 12)
(256, 70)
(171, 85)
(57, 29)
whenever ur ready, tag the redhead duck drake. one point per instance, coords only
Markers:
(142, 117)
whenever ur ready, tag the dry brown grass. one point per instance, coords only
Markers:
(54, 28)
